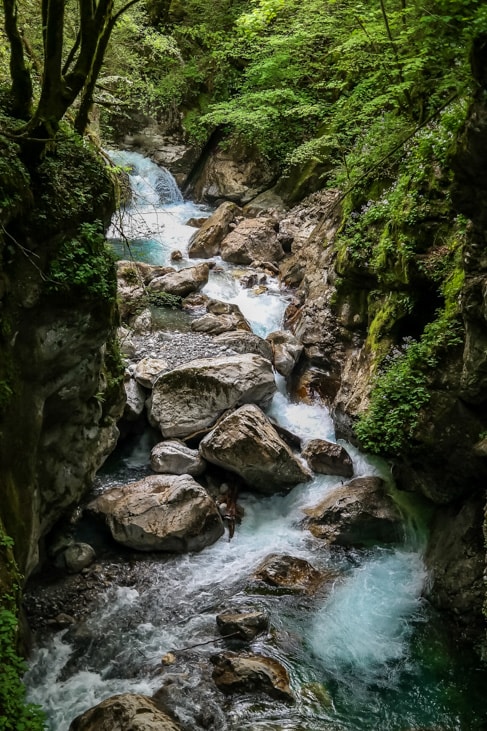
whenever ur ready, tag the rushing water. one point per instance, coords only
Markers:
(366, 654)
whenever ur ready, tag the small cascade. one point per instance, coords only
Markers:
(151, 184)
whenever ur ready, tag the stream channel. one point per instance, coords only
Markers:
(368, 654)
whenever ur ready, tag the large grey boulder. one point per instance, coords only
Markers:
(328, 458)
(286, 350)
(245, 342)
(253, 239)
(136, 397)
(181, 282)
(160, 513)
(125, 712)
(245, 442)
(360, 513)
(217, 324)
(147, 370)
(205, 243)
(175, 458)
(289, 574)
(193, 396)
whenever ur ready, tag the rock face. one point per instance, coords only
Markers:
(245, 442)
(175, 458)
(205, 243)
(125, 712)
(192, 397)
(360, 513)
(254, 239)
(161, 513)
(328, 458)
(249, 673)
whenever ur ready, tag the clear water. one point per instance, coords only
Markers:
(366, 653)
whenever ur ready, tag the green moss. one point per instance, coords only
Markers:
(385, 310)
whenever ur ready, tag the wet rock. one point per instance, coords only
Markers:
(78, 556)
(253, 238)
(125, 712)
(181, 282)
(289, 573)
(205, 243)
(175, 458)
(147, 370)
(251, 673)
(360, 513)
(176, 255)
(190, 398)
(286, 350)
(136, 397)
(243, 624)
(245, 342)
(264, 203)
(245, 442)
(328, 458)
(217, 324)
(160, 513)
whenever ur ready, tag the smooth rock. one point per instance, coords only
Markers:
(243, 624)
(217, 324)
(125, 712)
(360, 513)
(136, 398)
(182, 282)
(251, 673)
(289, 573)
(78, 556)
(286, 350)
(191, 398)
(160, 513)
(245, 342)
(205, 243)
(147, 370)
(245, 442)
(328, 458)
(175, 458)
(253, 238)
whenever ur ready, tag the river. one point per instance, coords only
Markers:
(369, 654)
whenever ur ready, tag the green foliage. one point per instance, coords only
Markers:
(164, 299)
(15, 713)
(85, 265)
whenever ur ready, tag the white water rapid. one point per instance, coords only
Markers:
(354, 654)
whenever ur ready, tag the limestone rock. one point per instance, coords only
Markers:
(125, 712)
(243, 624)
(160, 513)
(253, 239)
(147, 370)
(78, 556)
(175, 458)
(286, 350)
(245, 342)
(289, 574)
(205, 243)
(360, 513)
(251, 673)
(217, 324)
(245, 442)
(190, 398)
(181, 282)
(328, 458)
(136, 397)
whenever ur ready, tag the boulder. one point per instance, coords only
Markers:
(359, 514)
(160, 513)
(205, 243)
(243, 624)
(286, 350)
(253, 239)
(291, 575)
(245, 442)
(136, 397)
(217, 324)
(175, 458)
(328, 458)
(125, 712)
(193, 396)
(181, 282)
(147, 370)
(251, 673)
(78, 556)
(245, 342)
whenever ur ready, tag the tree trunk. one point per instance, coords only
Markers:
(21, 81)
